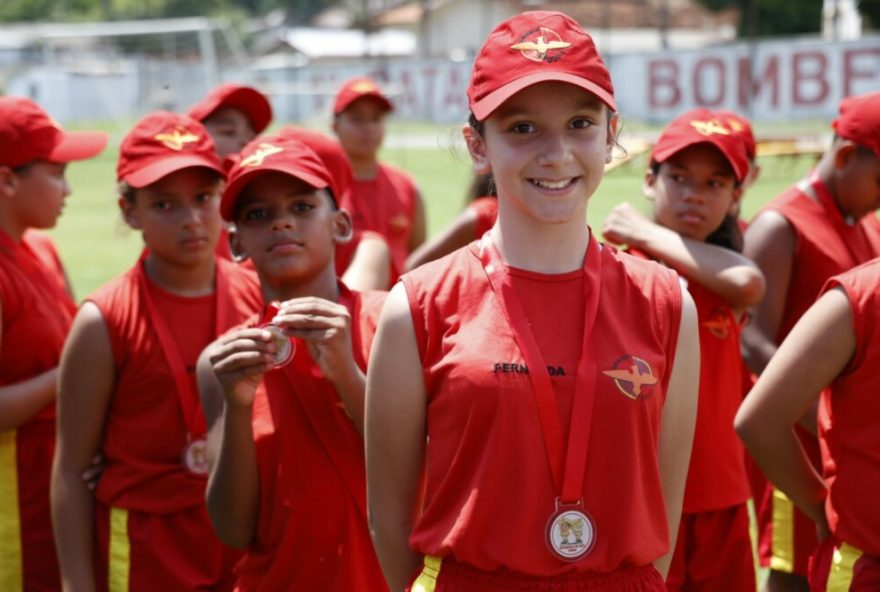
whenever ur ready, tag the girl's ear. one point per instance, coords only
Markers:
(648, 184)
(613, 123)
(476, 146)
(130, 213)
(235, 247)
(343, 227)
(8, 181)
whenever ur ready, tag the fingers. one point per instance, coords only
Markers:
(313, 318)
(92, 474)
(247, 352)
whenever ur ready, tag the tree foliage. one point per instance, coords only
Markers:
(775, 18)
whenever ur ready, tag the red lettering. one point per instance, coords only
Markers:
(428, 102)
(455, 91)
(850, 71)
(808, 73)
(750, 88)
(702, 71)
(663, 89)
(407, 102)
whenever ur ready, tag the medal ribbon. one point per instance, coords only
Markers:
(193, 417)
(855, 231)
(566, 465)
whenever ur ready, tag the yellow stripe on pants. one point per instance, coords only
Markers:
(782, 535)
(427, 580)
(119, 567)
(10, 522)
(842, 563)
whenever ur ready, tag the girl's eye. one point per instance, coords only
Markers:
(522, 128)
(162, 206)
(677, 178)
(256, 214)
(581, 123)
(204, 197)
(302, 206)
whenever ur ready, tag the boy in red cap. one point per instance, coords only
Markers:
(233, 115)
(127, 378)
(830, 356)
(820, 227)
(37, 309)
(363, 262)
(510, 378)
(284, 446)
(384, 198)
(694, 180)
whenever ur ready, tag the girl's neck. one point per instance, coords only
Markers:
(542, 247)
(365, 169)
(191, 281)
(11, 227)
(323, 285)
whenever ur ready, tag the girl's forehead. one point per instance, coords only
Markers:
(551, 94)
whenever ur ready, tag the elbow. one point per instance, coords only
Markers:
(748, 289)
(237, 533)
(744, 426)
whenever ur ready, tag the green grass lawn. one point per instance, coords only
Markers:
(96, 245)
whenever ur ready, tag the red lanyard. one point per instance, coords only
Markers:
(566, 465)
(186, 389)
(848, 232)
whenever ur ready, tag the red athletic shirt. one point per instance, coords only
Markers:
(717, 476)
(37, 313)
(824, 246)
(312, 532)
(490, 491)
(849, 420)
(145, 431)
(486, 211)
(387, 204)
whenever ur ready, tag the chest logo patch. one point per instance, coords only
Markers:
(632, 376)
(718, 323)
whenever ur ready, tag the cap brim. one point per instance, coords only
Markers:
(78, 146)
(485, 106)
(673, 147)
(154, 171)
(387, 105)
(230, 194)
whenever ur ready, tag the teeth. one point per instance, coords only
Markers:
(552, 184)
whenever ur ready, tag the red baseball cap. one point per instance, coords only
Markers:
(27, 133)
(358, 88)
(273, 154)
(252, 102)
(859, 120)
(703, 126)
(743, 128)
(162, 143)
(331, 154)
(536, 47)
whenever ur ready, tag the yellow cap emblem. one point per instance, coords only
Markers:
(256, 159)
(538, 48)
(711, 127)
(176, 139)
(364, 86)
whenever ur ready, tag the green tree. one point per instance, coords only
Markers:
(775, 18)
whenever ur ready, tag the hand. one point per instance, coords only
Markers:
(92, 474)
(325, 327)
(625, 225)
(239, 360)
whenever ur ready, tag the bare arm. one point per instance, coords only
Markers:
(770, 243)
(818, 348)
(229, 372)
(677, 423)
(395, 439)
(370, 268)
(87, 374)
(462, 231)
(727, 273)
(419, 229)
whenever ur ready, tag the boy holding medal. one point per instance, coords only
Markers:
(127, 384)
(287, 478)
(543, 384)
(37, 309)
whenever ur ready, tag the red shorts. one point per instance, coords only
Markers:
(713, 552)
(448, 575)
(166, 552)
(786, 536)
(840, 566)
(27, 548)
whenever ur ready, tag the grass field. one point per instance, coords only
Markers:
(96, 245)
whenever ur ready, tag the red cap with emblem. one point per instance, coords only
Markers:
(27, 133)
(273, 154)
(742, 127)
(703, 126)
(162, 143)
(536, 47)
(358, 88)
(332, 155)
(249, 101)
(859, 121)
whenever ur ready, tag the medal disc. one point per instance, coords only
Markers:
(284, 345)
(195, 457)
(570, 534)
